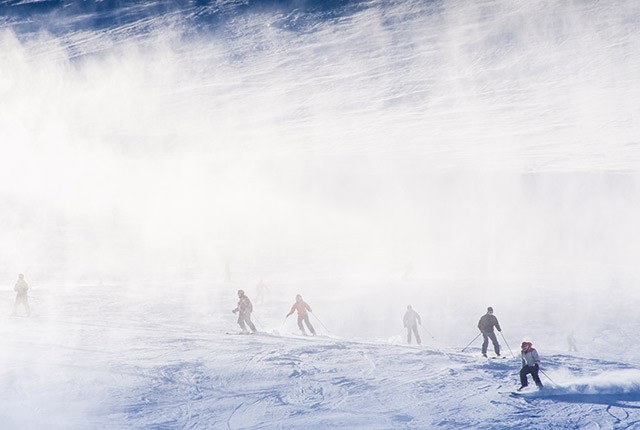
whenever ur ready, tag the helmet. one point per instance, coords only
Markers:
(241, 292)
(489, 309)
(526, 345)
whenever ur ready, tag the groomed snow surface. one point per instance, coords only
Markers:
(104, 357)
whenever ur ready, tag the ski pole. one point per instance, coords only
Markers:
(285, 320)
(427, 331)
(506, 343)
(552, 381)
(474, 339)
(325, 327)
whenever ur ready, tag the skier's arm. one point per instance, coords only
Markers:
(418, 317)
(293, 308)
(496, 324)
(306, 305)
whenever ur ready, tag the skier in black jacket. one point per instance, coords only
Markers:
(486, 324)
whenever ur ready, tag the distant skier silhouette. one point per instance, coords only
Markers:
(411, 320)
(407, 272)
(227, 273)
(260, 289)
(486, 324)
(244, 310)
(530, 365)
(22, 298)
(303, 310)
(571, 341)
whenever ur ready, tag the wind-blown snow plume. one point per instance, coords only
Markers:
(451, 155)
(612, 382)
(495, 141)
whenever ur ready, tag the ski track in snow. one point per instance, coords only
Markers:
(135, 365)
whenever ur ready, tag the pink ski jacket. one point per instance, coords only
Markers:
(302, 307)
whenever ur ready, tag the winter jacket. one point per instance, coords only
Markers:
(244, 305)
(410, 318)
(302, 307)
(21, 287)
(530, 357)
(487, 322)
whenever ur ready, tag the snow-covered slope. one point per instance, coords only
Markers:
(368, 154)
(103, 358)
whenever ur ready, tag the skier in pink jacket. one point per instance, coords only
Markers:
(303, 310)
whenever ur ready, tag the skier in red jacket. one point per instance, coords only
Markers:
(244, 310)
(303, 314)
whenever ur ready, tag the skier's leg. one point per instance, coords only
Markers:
(485, 343)
(15, 306)
(523, 376)
(241, 321)
(415, 331)
(534, 375)
(300, 324)
(409, 335)
(249, 323)
(22, 300)
(494, 340)
(25, 302)
(309, 326)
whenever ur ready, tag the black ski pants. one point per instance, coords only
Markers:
(490, 335)
(533, 370)
(413, 328)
